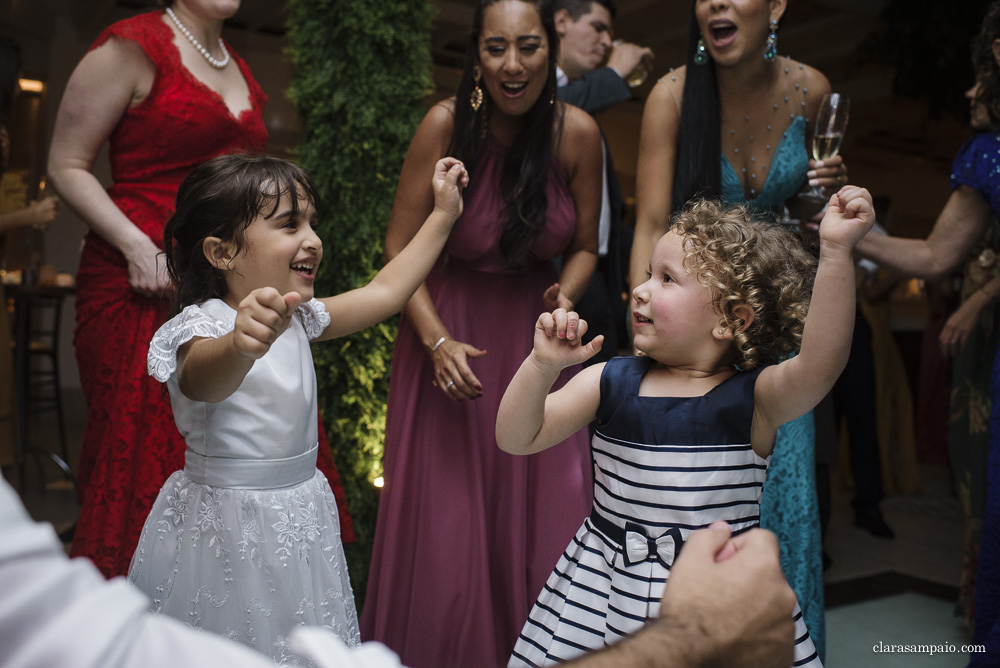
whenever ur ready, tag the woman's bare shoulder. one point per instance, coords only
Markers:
(669, 88)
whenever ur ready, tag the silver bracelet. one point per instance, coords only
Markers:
(438, 344)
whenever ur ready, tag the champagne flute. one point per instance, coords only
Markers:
(831, 123)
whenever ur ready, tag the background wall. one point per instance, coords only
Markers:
(897, 146)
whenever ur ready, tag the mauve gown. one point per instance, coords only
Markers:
(467, 534)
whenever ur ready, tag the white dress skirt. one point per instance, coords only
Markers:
(245, 541)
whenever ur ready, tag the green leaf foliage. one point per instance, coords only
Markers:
(361, 71)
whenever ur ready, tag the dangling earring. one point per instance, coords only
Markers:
(771, 50)
(700, 53)
(476, 97)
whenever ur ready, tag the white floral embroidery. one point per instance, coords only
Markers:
(290, 531)
(250, 534)
(278, 534)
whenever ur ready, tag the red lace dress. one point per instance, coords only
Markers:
(130, 443)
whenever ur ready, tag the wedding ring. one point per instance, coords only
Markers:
(450, 384)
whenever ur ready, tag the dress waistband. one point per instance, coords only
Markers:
(250, 473)
(636, 544)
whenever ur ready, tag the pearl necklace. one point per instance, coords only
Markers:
(217, 64)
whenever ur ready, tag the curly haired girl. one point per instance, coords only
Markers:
(684, 432)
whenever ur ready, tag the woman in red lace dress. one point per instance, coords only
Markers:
(167, 93)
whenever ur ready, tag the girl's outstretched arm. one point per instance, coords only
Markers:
(792, 388)
(212, 369)
(393, 286)
(530, 419)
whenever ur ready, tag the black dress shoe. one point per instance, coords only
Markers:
(871, 520)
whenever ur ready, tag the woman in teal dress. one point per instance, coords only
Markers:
(751, 107)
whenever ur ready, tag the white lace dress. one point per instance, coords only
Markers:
(245, 541)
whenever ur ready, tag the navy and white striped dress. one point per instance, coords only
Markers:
(663, 467)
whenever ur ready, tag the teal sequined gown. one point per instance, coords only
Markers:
(789, 506)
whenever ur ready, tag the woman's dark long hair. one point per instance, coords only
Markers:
(699, 142)
(985, 64)
(220, 198)
(526, 166)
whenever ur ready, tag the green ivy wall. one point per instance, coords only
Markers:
(361, 72)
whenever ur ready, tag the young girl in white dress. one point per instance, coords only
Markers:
(245, 540)
(685, 431)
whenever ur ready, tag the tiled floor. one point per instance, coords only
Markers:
(894, 591)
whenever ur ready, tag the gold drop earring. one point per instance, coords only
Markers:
(476, 97)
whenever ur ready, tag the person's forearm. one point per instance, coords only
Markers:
(829, 327)
(910, 257)
(394, 285)
(402, 276)
(15, 219)
(210, 370)
(522, 409)
(83, 193)
(576, 273)
(655, 646)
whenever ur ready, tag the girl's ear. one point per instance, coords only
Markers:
(744, 313)
(218, 253)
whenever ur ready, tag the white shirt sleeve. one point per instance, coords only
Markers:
(56, 612)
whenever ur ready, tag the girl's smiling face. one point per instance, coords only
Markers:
(281, 251)
(514, 56)
(673, 315)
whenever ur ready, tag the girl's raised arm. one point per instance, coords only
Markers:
(392, 287)
(530, 419)
(211, 369)
(792, 388)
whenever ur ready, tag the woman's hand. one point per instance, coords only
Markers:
(452, 372)
(554, 298)
(147, 273)
(956, 331)
(829, 174)
(43, 211)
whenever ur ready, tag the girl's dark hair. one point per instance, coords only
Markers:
(985, 64)
(699, 142)
(220, 198)
(10, 70)
(526, 166)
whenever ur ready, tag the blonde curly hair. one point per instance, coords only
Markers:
(746, 262)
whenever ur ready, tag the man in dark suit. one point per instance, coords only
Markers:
(591, 74)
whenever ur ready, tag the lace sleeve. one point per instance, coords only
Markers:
(315, 319)
(161, 362)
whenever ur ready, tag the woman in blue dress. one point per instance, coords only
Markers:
(970, 212)
(751, 108)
